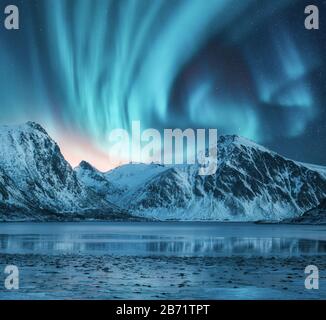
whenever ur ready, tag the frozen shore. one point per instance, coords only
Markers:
(160, 277)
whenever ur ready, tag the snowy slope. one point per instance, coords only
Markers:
(251, 183)
(12, 200)
(97, 181)
(34, 176)
(117, 184)
(129, 178)
(316, 215)
(134, 175)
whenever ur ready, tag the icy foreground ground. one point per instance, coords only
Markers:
(162, 260)
(129, 277)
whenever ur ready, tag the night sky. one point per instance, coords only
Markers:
(82, 68)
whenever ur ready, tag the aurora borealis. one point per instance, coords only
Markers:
(82, 68)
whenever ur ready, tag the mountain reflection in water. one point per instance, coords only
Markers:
(171, 239)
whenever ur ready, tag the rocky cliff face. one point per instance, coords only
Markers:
(97, 181)
(316, 215)
(251, 183)
(36, 179)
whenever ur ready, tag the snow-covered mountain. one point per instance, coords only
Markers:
(251, 183)
(97, 181)
(36, 182)
(12, 200)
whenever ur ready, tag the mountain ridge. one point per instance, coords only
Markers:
(251, 183)
(31, 164)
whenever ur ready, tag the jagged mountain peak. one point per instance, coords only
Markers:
(36, 126)
(86, 166)
(27, 127)
(251, 183)
(39, 173)
(228, 143)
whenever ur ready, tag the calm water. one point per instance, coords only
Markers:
(162, 238)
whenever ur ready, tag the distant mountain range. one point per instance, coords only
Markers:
(251, 183)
